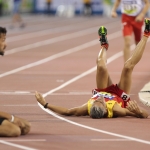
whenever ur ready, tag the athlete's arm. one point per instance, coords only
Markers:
(114, 9)
(141, 16)
(122, 112)
(146, 7)
(76, 111)
(5, 115)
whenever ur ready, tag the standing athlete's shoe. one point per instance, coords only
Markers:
(102, 32)
(147, 27)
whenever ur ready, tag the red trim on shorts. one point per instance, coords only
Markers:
(115, 90)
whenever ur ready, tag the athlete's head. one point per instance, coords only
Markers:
(3, 32)
(98, 109)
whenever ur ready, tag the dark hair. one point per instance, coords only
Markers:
(3, 30)
(96, 112)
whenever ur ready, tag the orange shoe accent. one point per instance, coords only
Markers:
(105, 46)
(146, 35)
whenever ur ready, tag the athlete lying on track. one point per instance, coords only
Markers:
(10, 125)
(108, 100)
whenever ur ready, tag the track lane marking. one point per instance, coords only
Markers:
(54, 30)
(58, 39)
(109, 60)
(55, 56)
(94, 129)
(110, 140)
(17, 145)
(70, 51)
(26, 140)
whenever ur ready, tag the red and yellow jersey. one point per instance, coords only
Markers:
(110, 99)
(120, 94)
(112, 94)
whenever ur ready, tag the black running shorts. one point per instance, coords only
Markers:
(1, 120)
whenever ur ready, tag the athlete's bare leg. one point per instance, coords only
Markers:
(126, 50)
(102, 77)
(8, 129)
(16, 128)
(125, 80)
(102, 73)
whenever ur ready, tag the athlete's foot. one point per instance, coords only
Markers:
(102, 32)
(147, 27)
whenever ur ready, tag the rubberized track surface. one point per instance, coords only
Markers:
(57, 57)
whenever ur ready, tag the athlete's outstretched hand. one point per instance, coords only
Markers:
(40, 98)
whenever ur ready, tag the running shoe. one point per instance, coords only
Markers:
(102, 32)
(147, 27)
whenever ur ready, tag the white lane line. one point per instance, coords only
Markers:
(112, 58)
(40, 33)
(109, 60)
(110, 140)
(22, 105)
(67, 52)
(17, 145)
(24, 140)
(17, 70)
(15, 93)
(94, 129)
(52, 30)
(47, 42)
(57, 39)
(29, 93)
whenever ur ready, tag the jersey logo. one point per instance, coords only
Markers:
(104, 94)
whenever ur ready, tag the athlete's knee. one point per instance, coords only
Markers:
(101, 64)
(9, 129)
(128, 66)
(15, 132)
(12, 130)
(127, 42)
(101, 67)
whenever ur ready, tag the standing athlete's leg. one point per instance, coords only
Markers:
(102, 76)
(127, 35)
(126, 49)
(125, 80)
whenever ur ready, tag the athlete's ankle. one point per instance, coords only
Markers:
(105, 46)
(147, 27)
